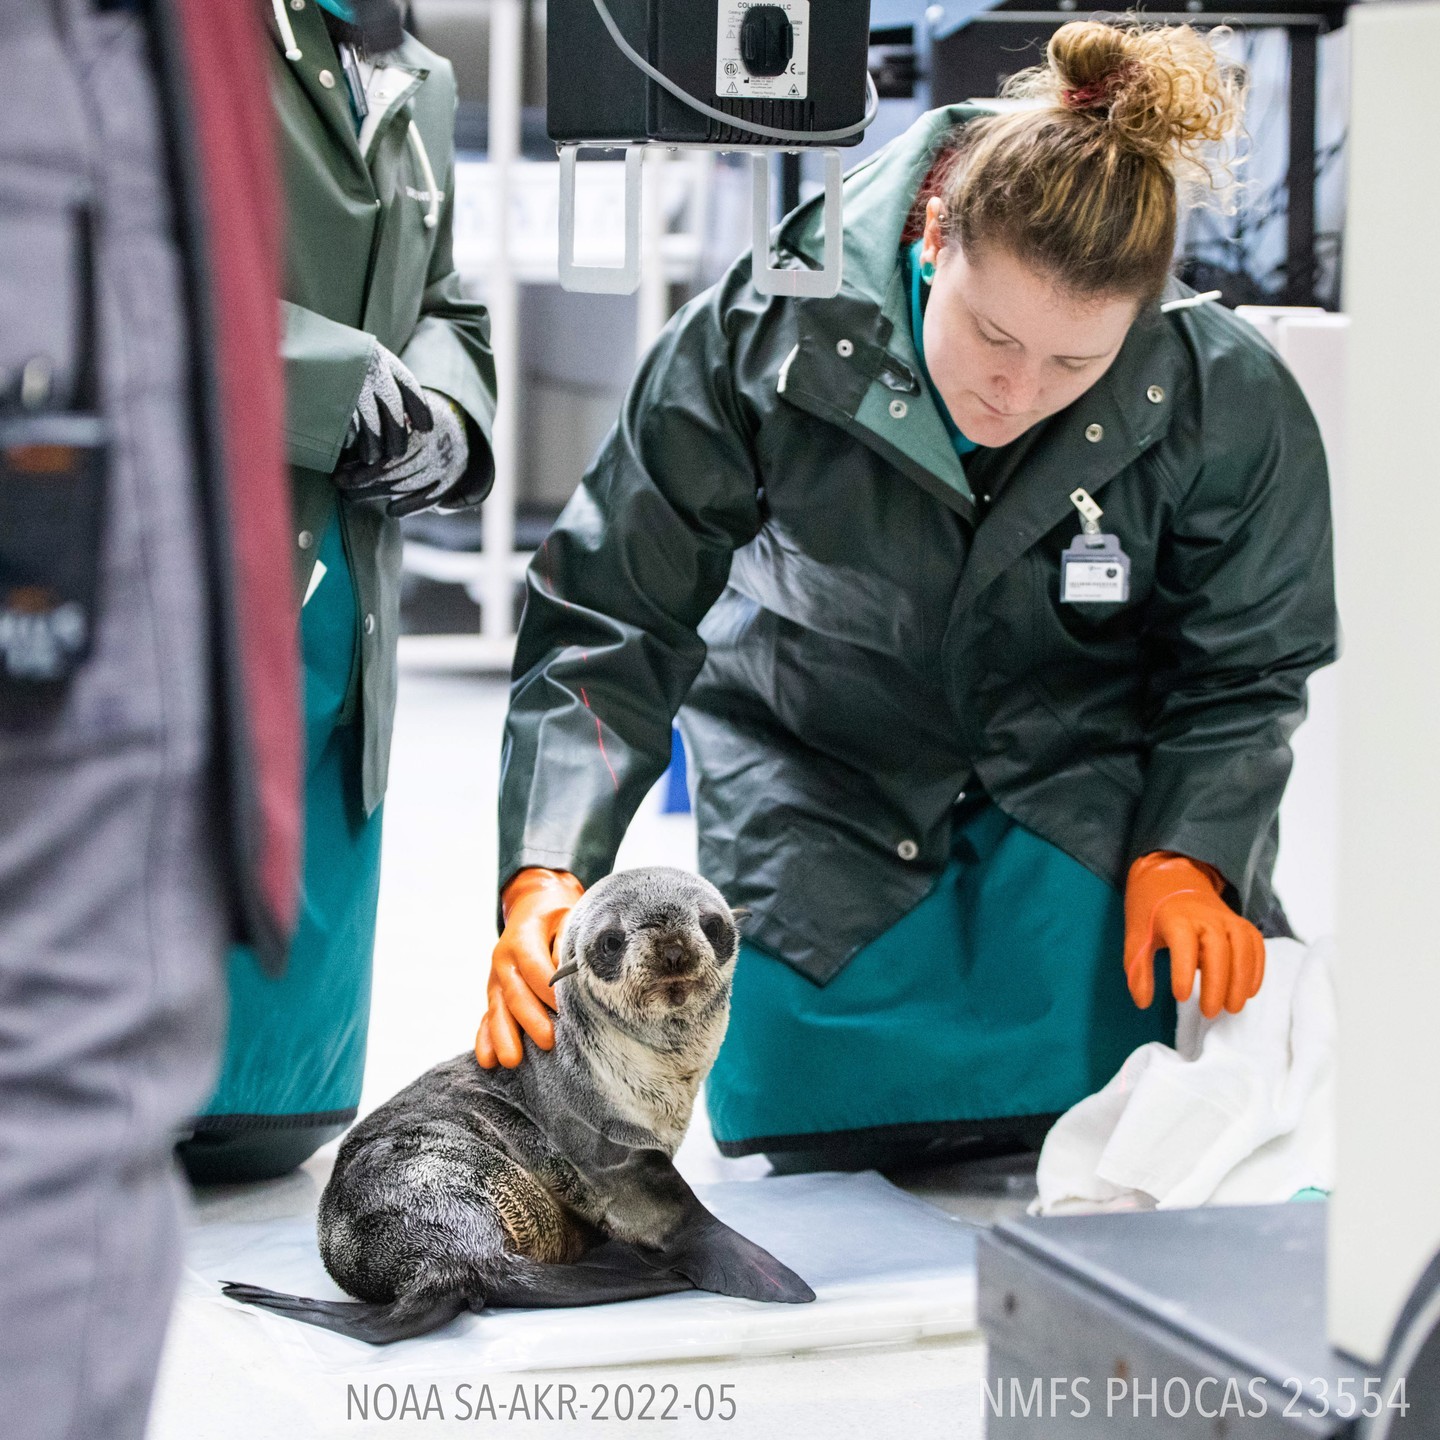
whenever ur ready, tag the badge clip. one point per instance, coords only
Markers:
(1090, 512)
(1093, 569)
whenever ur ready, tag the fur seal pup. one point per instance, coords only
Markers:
(552, 1184)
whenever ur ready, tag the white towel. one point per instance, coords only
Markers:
(1240, 1112)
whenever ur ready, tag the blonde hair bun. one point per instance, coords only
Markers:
(1162, 91)
(1084, 185)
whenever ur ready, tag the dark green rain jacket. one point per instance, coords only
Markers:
(778, 533)
(361, 261)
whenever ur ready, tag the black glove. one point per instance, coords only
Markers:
(429, 473)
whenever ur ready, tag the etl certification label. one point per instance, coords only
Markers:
(734, 82)
(1094, 569)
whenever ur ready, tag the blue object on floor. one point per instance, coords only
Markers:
(677, 790)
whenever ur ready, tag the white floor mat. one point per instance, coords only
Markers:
(885, 1267)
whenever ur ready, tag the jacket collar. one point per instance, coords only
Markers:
(396, 84)
(854, 365)
(332, 102)
(878, 195)
(854, 360)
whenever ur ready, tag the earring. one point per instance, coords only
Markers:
(927, 270)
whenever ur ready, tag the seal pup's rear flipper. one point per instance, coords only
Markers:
(610, 1272)
(724, 1262)
(376, 1324)
(695, 1243)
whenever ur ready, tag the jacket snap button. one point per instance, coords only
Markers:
(304, 539)
(844, 348)
(326, 79)
(297, 4)
(369, 624)
(899, 409)
(907, 849)
(1094, 433)
(1155, 394)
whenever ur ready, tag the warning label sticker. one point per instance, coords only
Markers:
(734, 82)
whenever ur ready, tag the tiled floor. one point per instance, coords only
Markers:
(436, 932)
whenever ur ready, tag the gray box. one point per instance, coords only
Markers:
(1218, 1314)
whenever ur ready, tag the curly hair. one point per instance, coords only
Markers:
(1083, 184)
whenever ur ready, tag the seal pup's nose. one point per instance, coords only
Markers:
(673, 956)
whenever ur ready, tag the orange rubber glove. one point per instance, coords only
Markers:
(1174, 903)
(534, 904)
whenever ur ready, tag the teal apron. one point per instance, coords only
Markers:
(295, 1051)
(1001, 994)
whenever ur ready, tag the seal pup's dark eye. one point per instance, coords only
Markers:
(608, 952)
(716, 930)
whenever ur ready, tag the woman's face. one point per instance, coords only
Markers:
(1004, 346)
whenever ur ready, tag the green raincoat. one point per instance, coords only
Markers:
(361, 262)
(779, 535)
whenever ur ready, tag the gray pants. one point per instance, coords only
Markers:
(112, 916)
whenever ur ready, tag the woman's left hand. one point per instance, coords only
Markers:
(1174, 903)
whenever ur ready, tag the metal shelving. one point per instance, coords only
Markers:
(496, 259)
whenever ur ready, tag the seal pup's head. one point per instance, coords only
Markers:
(653, 947)
(643, 985)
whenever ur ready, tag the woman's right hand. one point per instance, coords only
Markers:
(518, 994)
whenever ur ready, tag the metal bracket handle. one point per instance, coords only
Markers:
(820, 284)
(623, 279)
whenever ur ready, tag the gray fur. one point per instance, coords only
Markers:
(552, 1184)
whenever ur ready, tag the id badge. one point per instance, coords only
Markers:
(52, 493)
(1094, 570)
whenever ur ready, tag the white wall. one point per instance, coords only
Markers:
(1314, 345)
(1385, 1214)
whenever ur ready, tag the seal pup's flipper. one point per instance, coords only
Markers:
(724, 1262)
(643, 1180)
(610, 1272)
(376, 1324)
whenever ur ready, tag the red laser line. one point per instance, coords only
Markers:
(545, 572)
(600, 736)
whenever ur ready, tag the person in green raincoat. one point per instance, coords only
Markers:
(989, 587)
(391, 395)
